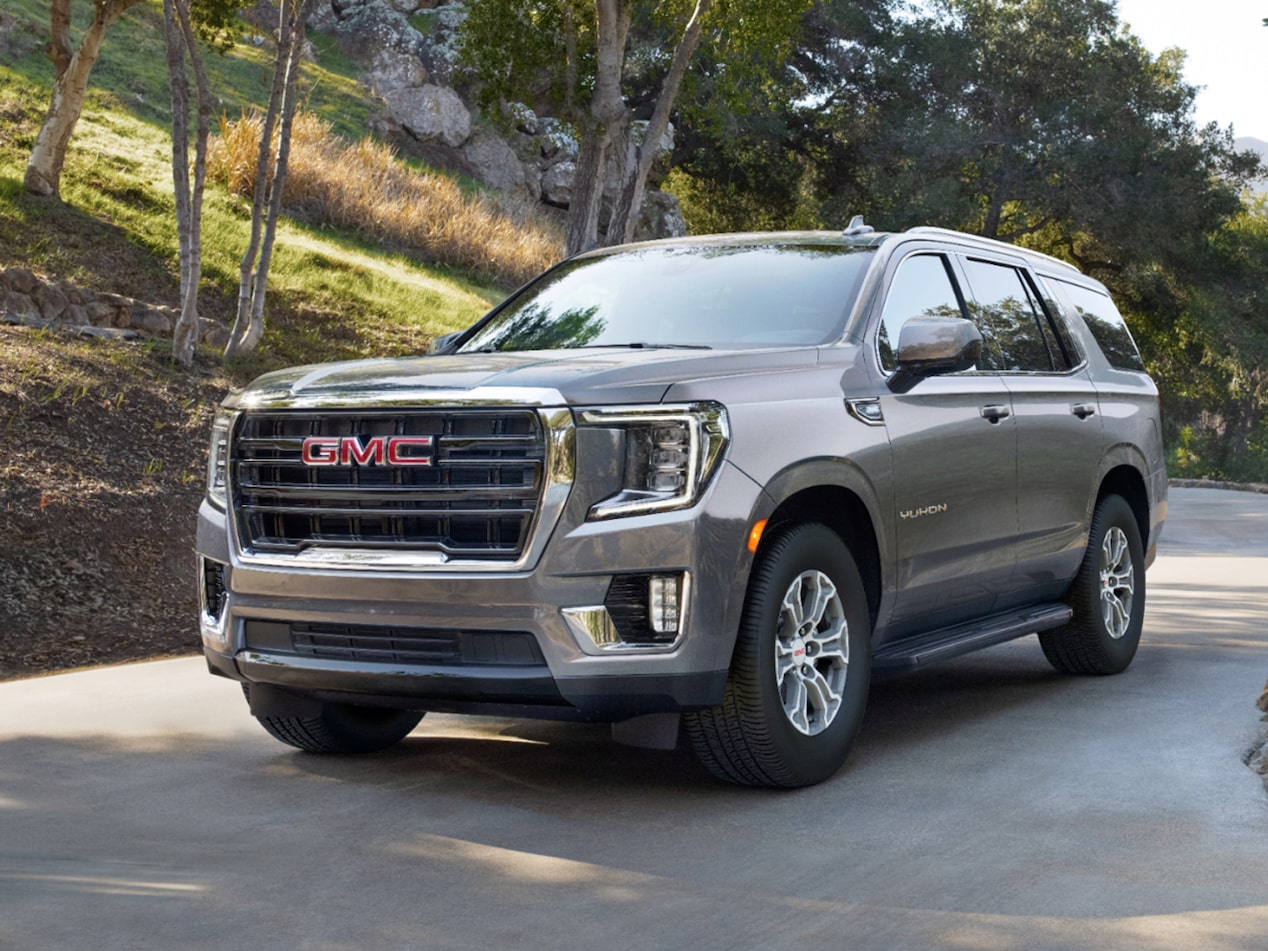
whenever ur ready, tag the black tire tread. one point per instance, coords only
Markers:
(1079, 646)
(733, 740)
(337, 730)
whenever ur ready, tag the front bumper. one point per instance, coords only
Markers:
(571, 675)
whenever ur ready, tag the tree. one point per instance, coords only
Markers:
(599, 67)
(270, 177)
(1223, 386)
(71, 70)
(1017, 118)
(185, 22)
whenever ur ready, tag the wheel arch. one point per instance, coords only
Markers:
(845, 513)
(1127, 482)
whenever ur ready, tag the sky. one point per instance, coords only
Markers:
(1227, 46)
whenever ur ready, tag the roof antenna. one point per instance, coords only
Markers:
(857, 227)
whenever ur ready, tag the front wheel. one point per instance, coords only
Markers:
(343, 728)
(1107, 597)
(800, 674)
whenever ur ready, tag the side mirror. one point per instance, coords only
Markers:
(444, 342)
(929, 346)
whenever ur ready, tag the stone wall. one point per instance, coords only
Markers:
(29, 298)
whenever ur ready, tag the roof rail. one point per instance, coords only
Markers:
(949, 233)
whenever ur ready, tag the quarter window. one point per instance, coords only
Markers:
(1107, 326)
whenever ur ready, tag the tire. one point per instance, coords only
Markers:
(800, 673)
(1107, 597)
(343, 728)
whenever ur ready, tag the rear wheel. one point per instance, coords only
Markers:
(343, 728)
(799, 677)
(1107, 597)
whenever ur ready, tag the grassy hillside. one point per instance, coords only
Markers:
(101, 470)
(333, 294)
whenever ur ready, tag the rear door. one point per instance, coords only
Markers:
(1059, 428)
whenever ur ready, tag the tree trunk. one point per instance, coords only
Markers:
(248, 328)
(606, 114)
(178, 83)
(71, 69)
(289, 105)
(182, 45)
(634, 182)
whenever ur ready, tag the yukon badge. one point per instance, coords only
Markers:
(935, 509)
(373, 450)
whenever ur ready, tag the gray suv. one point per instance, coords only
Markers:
(707, 485)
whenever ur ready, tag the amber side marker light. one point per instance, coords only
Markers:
(755, 536)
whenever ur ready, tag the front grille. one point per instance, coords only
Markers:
(397, 645)
(476, 498)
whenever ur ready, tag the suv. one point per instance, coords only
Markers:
(710, 483)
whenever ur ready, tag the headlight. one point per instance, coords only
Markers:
(670, 454)
(218, 457)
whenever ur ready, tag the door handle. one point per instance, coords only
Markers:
(1083, 410)
(995, 412)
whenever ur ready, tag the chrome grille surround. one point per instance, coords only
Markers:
(501, 473)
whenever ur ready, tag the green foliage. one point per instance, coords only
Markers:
(115, 229)
(519, 48)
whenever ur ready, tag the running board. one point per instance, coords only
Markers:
(948, 642)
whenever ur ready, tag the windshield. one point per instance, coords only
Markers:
(675, 296)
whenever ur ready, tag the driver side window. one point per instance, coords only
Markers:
(922, 287)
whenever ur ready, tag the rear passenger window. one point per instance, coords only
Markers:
(922, 287)
(1009, 312)
(1107, 326)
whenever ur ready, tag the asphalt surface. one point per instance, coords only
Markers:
(990, 804)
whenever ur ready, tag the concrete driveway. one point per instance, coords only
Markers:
(991, 803)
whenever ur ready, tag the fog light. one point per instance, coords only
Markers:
(664, 593)
(213, 589)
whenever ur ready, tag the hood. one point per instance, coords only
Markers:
(606, 376)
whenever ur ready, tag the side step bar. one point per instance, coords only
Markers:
(947, 642)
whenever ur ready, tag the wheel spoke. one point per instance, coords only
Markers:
(1118, 583)
(796, 703)
(822, 699)
(811, 652)
(794, 609)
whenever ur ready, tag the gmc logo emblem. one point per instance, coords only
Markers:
(372, 450)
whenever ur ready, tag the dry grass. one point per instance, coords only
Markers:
(365, 187)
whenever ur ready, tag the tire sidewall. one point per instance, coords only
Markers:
(804, 548)
(1114, 512)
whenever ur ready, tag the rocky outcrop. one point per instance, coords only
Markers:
(408, 53)
(29, 298)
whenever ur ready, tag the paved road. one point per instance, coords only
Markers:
(991, 803)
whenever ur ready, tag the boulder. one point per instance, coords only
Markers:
(365, 28)
(490, 160)
(557, 184)
(20, 279)
(76, 315)
(19, 304)
(51, 300)
(390, 70)
(213, 334)
(152, 321)
(660, 218)
(558, 143)
(431, 113)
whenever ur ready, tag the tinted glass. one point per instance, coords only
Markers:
(1107, 326)
(711, 296)
(1009, 314)
(922, 287)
